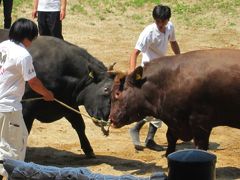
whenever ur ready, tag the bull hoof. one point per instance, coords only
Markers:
(150, 144)
(90, 155)
(169, 151)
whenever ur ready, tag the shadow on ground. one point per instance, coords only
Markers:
(190, 145)
(226, 172)
(53, 157)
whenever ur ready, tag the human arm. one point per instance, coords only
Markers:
(63, 9)
(35, 6)
(142, 45)
(38, 87)
(173, 41)
(175, 47)
(133, 60)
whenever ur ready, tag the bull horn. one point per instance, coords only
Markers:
(110, 67)
(118, 73)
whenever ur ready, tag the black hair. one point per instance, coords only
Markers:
(161, 12)
(21, 29)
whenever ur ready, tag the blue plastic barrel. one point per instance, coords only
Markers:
(191, 164)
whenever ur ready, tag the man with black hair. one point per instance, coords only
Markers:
(15, 68)
(7, 11)
(153, 43)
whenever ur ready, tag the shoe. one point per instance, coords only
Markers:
(138, 147)
(135, 139)
(150, 144)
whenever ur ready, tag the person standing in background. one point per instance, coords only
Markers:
(16, 68)
(7, 11)
(153, 43)
(50, 14)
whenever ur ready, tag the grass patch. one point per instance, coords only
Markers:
(140, 3)
(16, 3)
(19, 5)
(204, 13)
(79, 8)
(188, 13)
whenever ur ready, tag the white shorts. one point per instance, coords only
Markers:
(155, 122)
(13, 137)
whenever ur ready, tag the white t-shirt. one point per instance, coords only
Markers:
(49, 5)
(15, 68)
(153, 43)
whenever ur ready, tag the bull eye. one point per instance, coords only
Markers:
(106, 90)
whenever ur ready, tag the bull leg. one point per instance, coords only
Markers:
(201, 129)
(172, 140)
(29, 123)
(79, 125)
(201, 138)
(28, 119)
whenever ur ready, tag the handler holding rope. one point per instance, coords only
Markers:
(15, 68)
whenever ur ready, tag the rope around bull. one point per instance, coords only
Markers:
(102, 123)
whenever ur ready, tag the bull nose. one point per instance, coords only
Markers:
(110, 120)
(112, 123)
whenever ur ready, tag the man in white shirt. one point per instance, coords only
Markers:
(50, 14)
(153, 43)
(15, 68)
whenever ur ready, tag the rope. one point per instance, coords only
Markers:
(102, 123)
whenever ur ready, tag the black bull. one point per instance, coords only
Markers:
(75, 77)
(191, 93)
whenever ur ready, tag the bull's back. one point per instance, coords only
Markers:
(195, 61)
(54, 58)
(222, 65)
(206, 80)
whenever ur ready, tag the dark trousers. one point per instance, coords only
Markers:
(7, 11)
(49, 24)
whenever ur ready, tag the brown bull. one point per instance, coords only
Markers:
(191, 93)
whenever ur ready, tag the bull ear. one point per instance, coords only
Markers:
(94, 73)
(135, 78)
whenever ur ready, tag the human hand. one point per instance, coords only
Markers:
(34, 14)
(48, 96)
(62, 14)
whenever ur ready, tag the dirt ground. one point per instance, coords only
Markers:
(112, 40)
